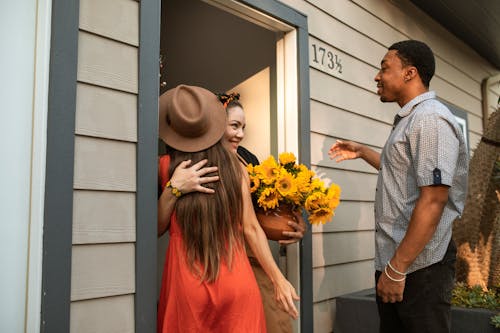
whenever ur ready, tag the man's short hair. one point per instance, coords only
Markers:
(418, 54)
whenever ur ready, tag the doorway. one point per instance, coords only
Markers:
(227, 46)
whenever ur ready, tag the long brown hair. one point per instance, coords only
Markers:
(211, 224)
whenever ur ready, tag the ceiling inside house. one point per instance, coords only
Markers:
(476, 22)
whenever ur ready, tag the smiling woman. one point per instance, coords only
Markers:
(236, 122)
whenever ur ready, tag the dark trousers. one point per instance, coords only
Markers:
(426, 300)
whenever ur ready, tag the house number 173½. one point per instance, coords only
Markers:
(326, 58)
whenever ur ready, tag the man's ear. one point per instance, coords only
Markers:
(411, 73)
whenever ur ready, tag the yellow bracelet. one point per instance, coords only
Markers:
(175, 191)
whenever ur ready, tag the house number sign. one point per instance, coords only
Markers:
(325, 58)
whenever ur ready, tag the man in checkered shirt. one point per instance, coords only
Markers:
(421, 189)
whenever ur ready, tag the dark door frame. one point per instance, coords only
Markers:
(58, 204)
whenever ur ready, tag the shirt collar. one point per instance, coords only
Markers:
(408, 107)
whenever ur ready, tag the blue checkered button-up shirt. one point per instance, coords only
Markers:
(425, 148)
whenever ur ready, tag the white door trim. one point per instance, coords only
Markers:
(38, 162)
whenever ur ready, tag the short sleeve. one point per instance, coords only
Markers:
(249, 157)
(434, 148)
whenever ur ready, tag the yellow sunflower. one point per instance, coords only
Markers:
(317, 184)
(250, 169)
(268, 199)
(333, 196)
(314, 201)
(285, 184)
(254, 184)
(286, 158)
(321, 215)
(268, 170)
(303, 183)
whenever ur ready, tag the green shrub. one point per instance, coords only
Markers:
(495, 320)
(475, 297)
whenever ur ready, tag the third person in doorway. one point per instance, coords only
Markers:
(421, 189)
(277, 320)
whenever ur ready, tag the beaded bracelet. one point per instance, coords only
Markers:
(175, 191)
(391, 278)
(395, 270)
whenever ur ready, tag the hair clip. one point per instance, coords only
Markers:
(225, 99)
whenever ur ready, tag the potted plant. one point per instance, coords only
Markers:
(280, 188)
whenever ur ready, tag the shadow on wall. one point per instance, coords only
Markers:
(327, 251)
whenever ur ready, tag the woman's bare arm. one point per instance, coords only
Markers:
(284, 292)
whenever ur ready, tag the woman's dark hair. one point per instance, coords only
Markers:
(211, 224)
(417, 54)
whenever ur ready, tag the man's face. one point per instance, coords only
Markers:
(391, 78)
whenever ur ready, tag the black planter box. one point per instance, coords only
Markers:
(357, 313)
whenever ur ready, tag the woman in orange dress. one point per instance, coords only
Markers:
(207, 284)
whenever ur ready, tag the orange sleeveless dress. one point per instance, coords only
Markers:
(232, 303)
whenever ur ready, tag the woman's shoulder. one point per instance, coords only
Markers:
(249, 157)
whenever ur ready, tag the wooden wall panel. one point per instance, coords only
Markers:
(339, 123)
(102, 270)
(342, 247)
(349, 216)
(355, 185)
(104, 164)
(453, 82)
(106, 113)
(366, 23)
(116, 19)
(493, 94)
(324, 316)
(475, 123)
(386, 33)
(456, 77)
(103, 315)
(334, 92)
(411, 21)
(339, 35)
(103, 217)
(456, 96)
(332, 281)
(320, 145)
(107, 63)
(353, 70)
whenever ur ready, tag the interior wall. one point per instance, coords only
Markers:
(257, 112)
(203, 45)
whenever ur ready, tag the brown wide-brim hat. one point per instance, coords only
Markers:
(191, 118)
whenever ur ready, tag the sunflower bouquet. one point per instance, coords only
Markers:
(286, 182)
